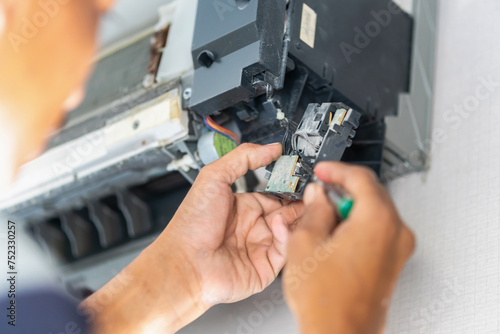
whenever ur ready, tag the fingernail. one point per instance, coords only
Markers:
(313, 191)
(273, 144)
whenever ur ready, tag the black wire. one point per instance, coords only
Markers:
(290, 128)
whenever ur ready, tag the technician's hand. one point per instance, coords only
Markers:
(339, 279)
(219, 248)
(235, 244)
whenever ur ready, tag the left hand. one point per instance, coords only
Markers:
(235, 243)
(220, 247)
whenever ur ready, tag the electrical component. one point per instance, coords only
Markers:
(323, 135)
(209, 122)
(213, 145)
(284, 180)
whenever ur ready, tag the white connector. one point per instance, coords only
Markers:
(280, 115)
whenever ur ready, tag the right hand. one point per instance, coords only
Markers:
(340, 279)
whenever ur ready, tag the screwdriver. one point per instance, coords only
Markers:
(338, 197)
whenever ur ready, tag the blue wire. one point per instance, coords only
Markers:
(222, 134)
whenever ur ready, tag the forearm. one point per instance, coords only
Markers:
(353, 308)
(330, 323)
(155, 293)
(322, 318)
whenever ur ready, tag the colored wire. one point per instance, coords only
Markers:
(210, 123)
(224, 135)
(221, 129)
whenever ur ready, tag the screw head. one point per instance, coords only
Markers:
(206, 58)
(187, 93)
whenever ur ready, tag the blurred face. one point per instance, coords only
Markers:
(46, 48)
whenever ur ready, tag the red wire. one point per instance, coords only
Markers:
(222, 129)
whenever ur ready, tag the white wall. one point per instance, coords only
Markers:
(452, 285)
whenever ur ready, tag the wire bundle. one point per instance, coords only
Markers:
(290, 128)
(210, 123)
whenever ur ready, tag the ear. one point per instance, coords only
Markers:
(74, 100)
(2, 19)
(6, 12)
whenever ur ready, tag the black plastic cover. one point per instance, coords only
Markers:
(234, 42)
(362, 48)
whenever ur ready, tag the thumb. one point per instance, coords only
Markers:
(278, 250)
(237, 163)
(319, 219)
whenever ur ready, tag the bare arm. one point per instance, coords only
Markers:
(219, 248)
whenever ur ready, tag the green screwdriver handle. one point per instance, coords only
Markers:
(338, 197)
(344, 207)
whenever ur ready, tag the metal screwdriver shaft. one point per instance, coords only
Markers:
(342, 202)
